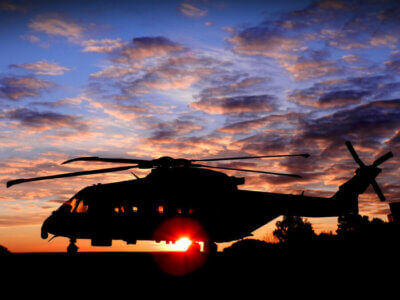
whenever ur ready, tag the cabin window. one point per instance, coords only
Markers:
(160, 209)
(179, 210)
(119, 209)
(135, 209)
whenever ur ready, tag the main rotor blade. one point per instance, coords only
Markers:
(107, 170)
(354, 154)
(305, 155)
(382, 159)
(378, 190)
(245, 170)
(112, 160)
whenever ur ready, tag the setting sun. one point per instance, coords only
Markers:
(182, 244)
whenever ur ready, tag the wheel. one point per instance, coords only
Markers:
(210, 247)
(72, 248)
(194, 248)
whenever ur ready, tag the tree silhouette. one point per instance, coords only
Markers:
(351, 224)
(293, 229)
(359, 230)
(3, 250)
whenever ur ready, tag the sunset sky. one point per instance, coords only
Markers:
(194, 79)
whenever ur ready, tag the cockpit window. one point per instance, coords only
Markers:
(81, 208)
(74, 205)
(69, 206)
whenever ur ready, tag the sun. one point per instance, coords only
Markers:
(182, 244)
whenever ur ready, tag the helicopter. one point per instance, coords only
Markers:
(185, 198)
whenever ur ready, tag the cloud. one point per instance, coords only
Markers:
(332, 99)
(178, 72)
(250, 81)
(313, 69)
(372, 121)
(116, 71)
(12, 7)
(322, 27)
(43, 120)
(174, 73)
(234, 86)
(384, 39)
(150, 63)
(236, 105)
(228, 29)
(181, 146)
(13, 220)
(75, 101)
(57, 24)
(30, 38)
(265, 42)
(102, 46)
(43, 68)
(155, 64)
(341, 92)
(332, 4)
(18, 87)
(264, 143)
(146, 47)
(192, 11)
(274, 120)
(393, 65)
(121, 111)
(289, 46)
(165, 131)
(351, 58)
(340, 98)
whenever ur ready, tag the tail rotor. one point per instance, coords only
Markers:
(371, 171)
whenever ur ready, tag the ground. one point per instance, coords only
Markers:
(288, 271)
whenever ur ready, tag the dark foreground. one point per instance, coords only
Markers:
(285, 271)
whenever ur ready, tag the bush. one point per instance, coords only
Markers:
(294, 230)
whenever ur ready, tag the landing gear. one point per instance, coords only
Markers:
(210, 248)
(194, 248)
(72, 248)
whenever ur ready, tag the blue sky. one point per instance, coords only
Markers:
(196, 79)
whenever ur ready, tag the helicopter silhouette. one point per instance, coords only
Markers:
(184, 198)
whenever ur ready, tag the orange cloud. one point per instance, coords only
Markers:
(56, 24)
(268, 45)
(116, 71)
(313, 69)
(43, 68)
(102, 46)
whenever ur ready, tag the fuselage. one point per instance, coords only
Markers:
(205, 204)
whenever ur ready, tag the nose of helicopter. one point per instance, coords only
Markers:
(46, 227)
